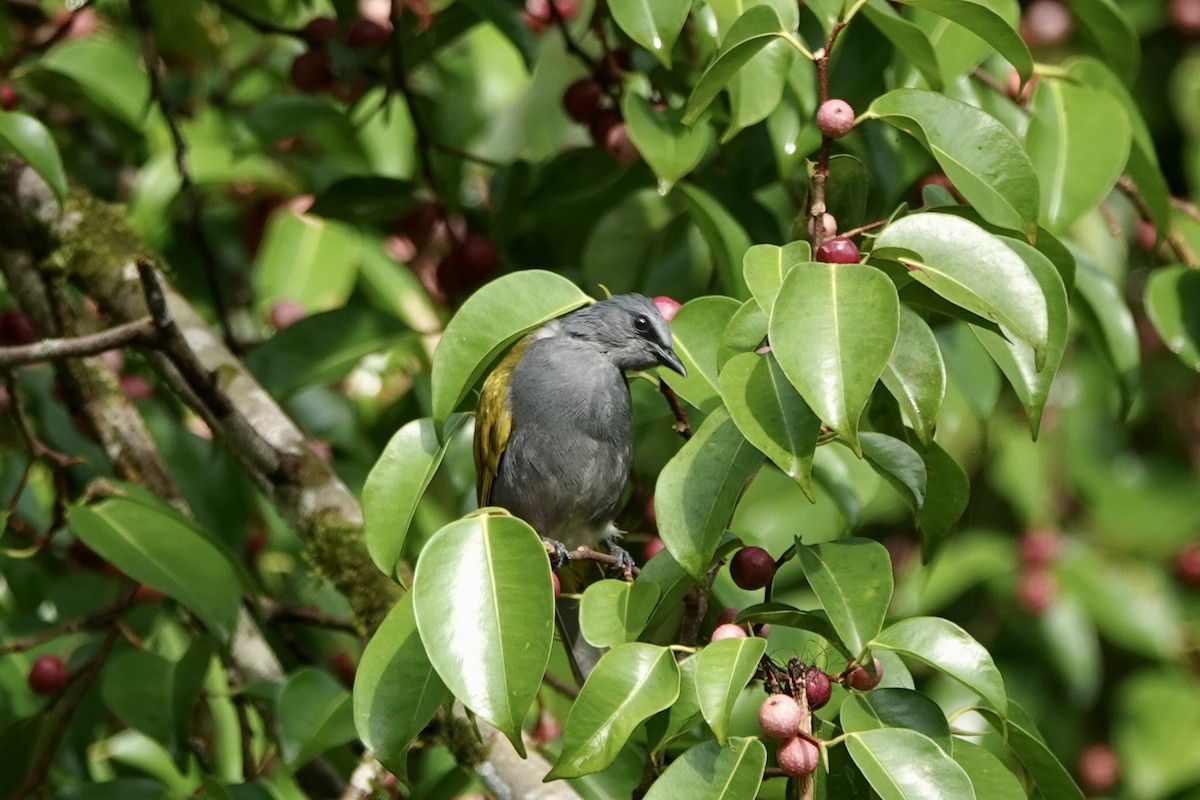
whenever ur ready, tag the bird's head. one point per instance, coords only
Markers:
(629, 328)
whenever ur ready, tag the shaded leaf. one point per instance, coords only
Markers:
(1173, 304)
(944, 646)
(852, 579)
(654, 24)
(313, 714)
(896, 708)
(613, 612)
(692, 332)
(1026, 743)
(947, 490)
(671, 148)
(979, 18)
(916, 375)
(991, 779)
(907, 38)
(724, 235)
(29, 140)
(713, 772)
(898, 463)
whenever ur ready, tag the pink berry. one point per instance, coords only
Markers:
(286, 313)
(779, 716)
(863, 679)
(654, 546)
(798, 757)
(619, 145)
(822, 227)
(320, 30)
(729, 631)
(838, 250)
(1045, 23)
(1098, 769)
(1039, 547)
(666, 306)
(835, 118)
(1036, 590)
(1185, 16)
(752, 568)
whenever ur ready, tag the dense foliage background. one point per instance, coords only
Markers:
(233, 233)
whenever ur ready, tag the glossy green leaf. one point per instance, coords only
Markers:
(396, 689)
(724, 669)
(693, 335)
(756, 89)
(156, 695)
(976, 270)
(745, 333)
(979, 18)
(896, 708)
(906, 765)
(907, 38)
(1173, 304)
(511, 22)
(724, 235)
(366, 199)
(629, 684)
(947, 490)
(944, 646)
(697, 490)
(29, 140)
(654, 24)
(833, 328)
(397, 483)
(765, 265)
(1111, 31)
(916, 375)
(1030, 380)
(613, 612)
(713, 772)
(162, 549)
(785, 615)
(313, 714)
(108, 70)
(671, 148)
(1075, 167)
(1023, 739)
(990, 778)
(294, 261)
(1106, 315)
(1155, 710)
(683, 715)
(487, 322)
(490, 638)
(852, 579)
(898, 463)
(982, 158)
(771, 414)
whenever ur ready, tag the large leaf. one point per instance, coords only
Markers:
(916, 374)
(613, 612)
(899, 464)
(671, 148)
(944, 646)
(785, 615)
(765, 265)
(745, 333)
(709, 771)
(982, 158)
(156, 695)
(724, 235)
(1106, 315)
(29, 140)
(979, 18)
(684, 713)
(1108, 27)
(722, 672)
(896, 708)
(1155, 712)
(907, 38)
(771, 414)
(906, 765)
(1075, 167)
(693, 333)
(396, 690)
(313, 714)
(157, 546)
(833, 328)
(1173, 304)
(488, 321)
(307, 259)
(756, 89)
(989, 776)
(852, 579)
(976, 270)
(698, 489)
(629, 684)
(109, 72)
(1022, 737)
(490, 638)
(396, 484)
(654, 24)
(947, 489)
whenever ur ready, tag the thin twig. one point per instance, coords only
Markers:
(70, 626)
(131, 333)
(565, 690)
(277, 613)
(400, 84)
(585, 553)
(1175, 239)
(682, 426)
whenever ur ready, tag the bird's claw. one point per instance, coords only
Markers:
(625, 565)
(557, 552)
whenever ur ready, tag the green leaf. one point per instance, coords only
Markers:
(157, 546)
(396, 690)
(908, 39)
(833, 328)
(697, 490)
(765, 266)
(771, 415)
(1106, 316)
(671, 148)
(1076, 168)
(156, 695)
(629, 684)
(1026, 743)
(313, 714)
(1017, 361)
(654, 24)
(785, 615)
(613, 612)
(946, 647)
(692, 333)
(499, 619)
(974, 269)
(977, 17)
(724, 669)
(1154, 709)
(397, 483)
(745, 333)
(294, 261)
(487, 322)
(1173, 304)
(916, 375)
(989, 776)
(108, 71)
(683, 715)
(712, 772)
(899, 464)
(907, 765)
(852, 579)
(757, 88)
(1111, 31)
(29, 140)
(896, 708)
(511, 22)
(947, 490)
(724, 235)
(369, 199)
(981, 157)
(846, 190)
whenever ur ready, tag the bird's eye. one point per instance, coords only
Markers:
(641, 323)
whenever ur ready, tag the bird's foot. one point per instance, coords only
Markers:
(625, 566)
(557, 552)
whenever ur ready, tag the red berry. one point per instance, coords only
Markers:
(838, 250)
(136, 387)
(654, 546)
(752, 568)
(8, 96)
(779, 716)
(477, 256)
(816, 688)
(1187, 566)
(311, 73)
(1045, 23)
(863, 679)
(728, 631)
(320, 30)
(835, 118)
(48, 675)
(16, 328)
(1036, 590)
(286, 313)
(582, 99)
(798, 757)
(365, 33)
(1039, 547)
(557, 583)
(1098, 769)
(666, 306)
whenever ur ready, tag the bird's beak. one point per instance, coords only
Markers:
(667, 357)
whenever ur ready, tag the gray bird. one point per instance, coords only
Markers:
(553, 430)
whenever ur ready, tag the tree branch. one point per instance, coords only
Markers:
(129, 333)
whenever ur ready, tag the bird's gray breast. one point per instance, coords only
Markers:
(567, 458)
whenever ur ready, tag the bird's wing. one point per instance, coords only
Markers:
(493, 423)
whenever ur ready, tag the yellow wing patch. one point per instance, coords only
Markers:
(493, 423)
